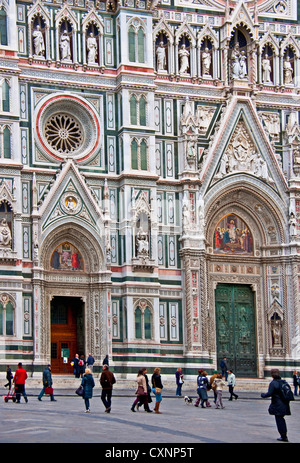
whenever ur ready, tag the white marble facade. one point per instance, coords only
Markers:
(136, 132)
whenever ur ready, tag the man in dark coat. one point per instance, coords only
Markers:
(107, 380)
(278, 407)
(224, 368)
(47, 382)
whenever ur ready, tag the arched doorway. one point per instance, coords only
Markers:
(236, 328)
(67, 332)
(72, 298)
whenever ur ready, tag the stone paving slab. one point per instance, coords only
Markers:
(245, 420)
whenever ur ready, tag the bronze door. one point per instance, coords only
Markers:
(235, 328)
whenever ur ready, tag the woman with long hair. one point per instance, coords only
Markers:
(141, 392)
(157, 388)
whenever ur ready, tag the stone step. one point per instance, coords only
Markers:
(69, 382)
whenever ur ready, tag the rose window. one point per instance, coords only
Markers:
(67, 125)
(63, 133)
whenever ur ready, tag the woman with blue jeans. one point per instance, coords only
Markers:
(179, 381)
(88, 385)
(157, 388)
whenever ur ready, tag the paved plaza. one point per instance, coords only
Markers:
(245, 420)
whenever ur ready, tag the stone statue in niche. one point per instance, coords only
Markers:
(206, 62)
(91, 45)
(142, 243)
(38, 42)
(64, 45)
(293, 224)
(288, 71)
(296, 160)
(266, 69)
(191, 151)
(161, 57)
(184, 60)
(185, 217)
(5, 234)
(238, 63)
(276, 327)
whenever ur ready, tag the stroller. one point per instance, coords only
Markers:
(11, 395)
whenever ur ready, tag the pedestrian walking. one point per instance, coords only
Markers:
(202, 385)
(296, 382)
(278, 407)
(219, 384)
(88, 384)
(179, 381)
(47, 383)
(9, 377)
(141, 392)
(19, 380)
(157, 387)
(224, 367)
(81, 365)
(231, 384)
(107, 380)
(75, 365)
(149, 390)
(90, 362)
(213, 386)
(105, 360)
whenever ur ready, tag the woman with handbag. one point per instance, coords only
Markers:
(88, 384)
(179, 381)
(202, 385)
(157, 388)
(141, 392)
(149, 390)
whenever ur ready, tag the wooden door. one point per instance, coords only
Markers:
(64, 312)
(235, 327)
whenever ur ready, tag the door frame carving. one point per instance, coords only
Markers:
(255, 283)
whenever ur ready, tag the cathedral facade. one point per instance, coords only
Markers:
(150, 184)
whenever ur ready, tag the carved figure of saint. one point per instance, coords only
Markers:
(288, 71)
(70, 203)
(142, 242)
(277, 333)
(183, 60)
(243, 65)
(64, 44)
(38, 42)
(161, 57)
(293, 224)
(266, 69)
(5, 234)
(206, 61)
(235, 62)
(91, 45)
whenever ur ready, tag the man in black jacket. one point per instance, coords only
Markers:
(107, 379)
(47, 383)
(278, 407)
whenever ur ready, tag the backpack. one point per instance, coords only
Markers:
(286, 391)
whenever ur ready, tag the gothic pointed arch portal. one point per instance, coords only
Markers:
(71, 298)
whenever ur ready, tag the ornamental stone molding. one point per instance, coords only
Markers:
(67, 126)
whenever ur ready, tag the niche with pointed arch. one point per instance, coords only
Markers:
(232, 236)
(66, 257)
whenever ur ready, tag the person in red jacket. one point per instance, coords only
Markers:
(19, 380)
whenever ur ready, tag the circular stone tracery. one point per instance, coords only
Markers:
(63, 133)
(67, 125)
